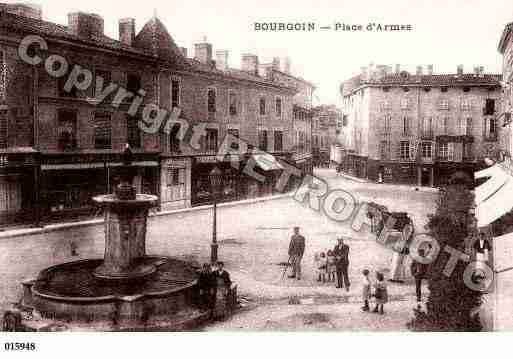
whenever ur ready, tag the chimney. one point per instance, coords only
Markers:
(250, 63)
(481, 70)
(222, 59)
(29, 10)
(476, 70)
(183, 50)
(419, 70)
(460, 70)
(276, 63)
(286, 65)
(430, 69)
(397, 68)
(203, 51)
(127, 31)
(85, 25)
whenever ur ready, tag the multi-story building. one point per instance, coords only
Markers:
(302, 111)
(421, 128)
(327, 124)
(506, 50)
(60, 145)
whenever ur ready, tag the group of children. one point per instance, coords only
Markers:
(324, 264)
(380, 292)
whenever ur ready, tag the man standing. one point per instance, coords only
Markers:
(419, 272)
(341, 253)
(296, 250)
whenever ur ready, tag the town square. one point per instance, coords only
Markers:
(150, 184)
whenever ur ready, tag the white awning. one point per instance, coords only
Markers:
(267, 162)
(494, 198)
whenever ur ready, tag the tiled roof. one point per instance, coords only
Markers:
(25, 25)
(438, 79)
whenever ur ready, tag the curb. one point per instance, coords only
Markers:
(64, 226)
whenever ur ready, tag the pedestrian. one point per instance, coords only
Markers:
(206, 286)
(366, 290)
(380, 293)
(330, 266)
(320, 266)
(482, 250)
(341, 253)
(419, 271)
(296, 251)
(223, 284)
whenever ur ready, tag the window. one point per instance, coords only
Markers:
(344, 120)
(386, 89)
(468, 126)
(490, 129)
(444, 89)
(387, 123)
(404, 150)
(175, 93)
(446, 124)
(232, 103)
(133, 82)
(278, 107)
(446, 151)
(493, 126)
(262, 140)
(384, 150)
(427, 149)
(235, 133)
(3, 130)
(174, 138)
(133, 132)
(465, 105)
(262, 106)
(406, 126)
(466, 89)
(3, 76)
(427, 130)
(102, 131)
(106, 76)
(211, 136)
(67, 129)
(444, 104)
(175, 176)
(278, 141)
(404, 104)
(467, 151)
(211, 100)
(489, 107)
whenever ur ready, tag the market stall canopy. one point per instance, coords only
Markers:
(267, 162)
(494, 198)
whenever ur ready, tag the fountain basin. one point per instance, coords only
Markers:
(72, 292)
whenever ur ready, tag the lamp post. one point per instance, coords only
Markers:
(215, 178)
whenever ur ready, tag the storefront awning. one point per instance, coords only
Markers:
(267, 162)
(493, 198)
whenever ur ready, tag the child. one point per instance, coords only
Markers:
(320, 266)
(366, 290)
(380, 293)
(330, 267)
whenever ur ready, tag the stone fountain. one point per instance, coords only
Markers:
(127, 289)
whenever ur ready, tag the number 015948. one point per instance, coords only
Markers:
(15, 346)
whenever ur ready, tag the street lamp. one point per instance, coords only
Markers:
(215, 178)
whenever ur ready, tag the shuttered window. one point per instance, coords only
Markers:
(102, 131)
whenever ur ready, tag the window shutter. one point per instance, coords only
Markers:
(450, 148)
(413, 150)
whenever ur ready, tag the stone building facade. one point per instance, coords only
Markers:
(506, 50)
(60, 145)
(327, 124)
(423, 128)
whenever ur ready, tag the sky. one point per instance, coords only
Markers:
(444, 33)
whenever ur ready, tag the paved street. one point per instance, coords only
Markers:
(253, 241)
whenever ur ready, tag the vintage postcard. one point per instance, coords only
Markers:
(244, 166)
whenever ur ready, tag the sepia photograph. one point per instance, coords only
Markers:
(255, 167)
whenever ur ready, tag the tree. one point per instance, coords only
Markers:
(451, 305)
